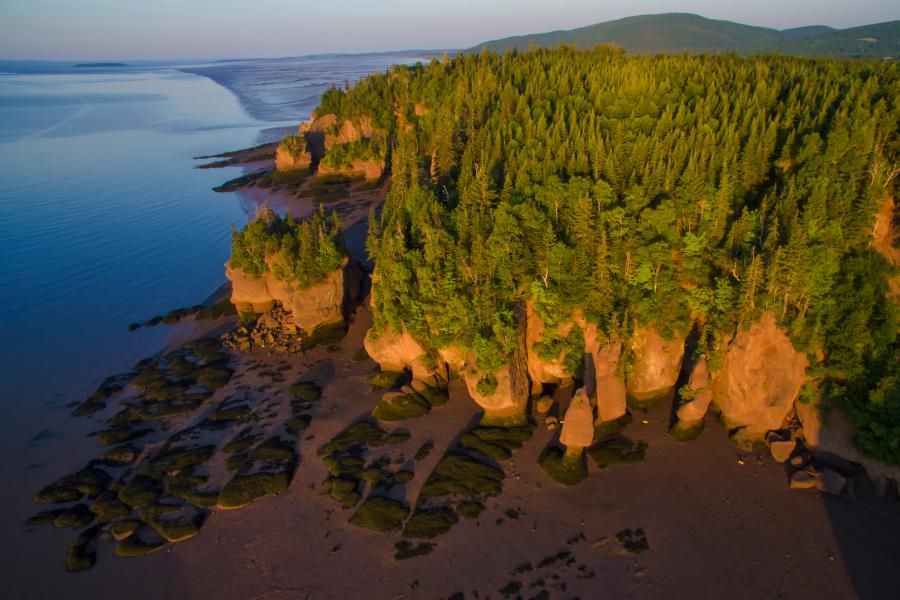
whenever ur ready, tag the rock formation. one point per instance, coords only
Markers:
(400, 351)
(691, 413)
(657, 362)
(578, 425)
(324, 303)
(540, 370)
(291, 154)
(602, 358)
(371, 170)
(508, 401)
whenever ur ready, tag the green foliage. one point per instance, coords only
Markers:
(302, 252)
(343, 155)
(400, 407)
(386, 379)
(663, 190)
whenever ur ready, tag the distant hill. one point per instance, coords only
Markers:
(682, 32)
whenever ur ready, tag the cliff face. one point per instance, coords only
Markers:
(601, 369)
(656, 365)
(540, 370)
(693, 411)
(285, 160)
(760, 379)
(321, 304)
(399, 351)
(371, 170)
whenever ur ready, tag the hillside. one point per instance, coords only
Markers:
(680, 32)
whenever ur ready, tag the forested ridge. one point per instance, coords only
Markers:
(672, 191)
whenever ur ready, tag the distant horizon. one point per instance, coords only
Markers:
(115, 30)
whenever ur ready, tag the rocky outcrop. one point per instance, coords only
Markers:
(657, 363)
(508, 402)
(760, 378)
(830, 438)
(692, 411)
(578, 425)
(884, 238)
(324, 303)
(400, 351)
(371, 170)
(291, 155)
(602, 369)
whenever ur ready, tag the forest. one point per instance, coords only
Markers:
(683, 192)
(300, 251)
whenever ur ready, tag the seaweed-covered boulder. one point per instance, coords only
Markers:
(396, 352)
(657, 362)
(760, 378)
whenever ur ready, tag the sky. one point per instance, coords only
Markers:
(181, 29)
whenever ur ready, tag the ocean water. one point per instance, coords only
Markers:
(104, 220)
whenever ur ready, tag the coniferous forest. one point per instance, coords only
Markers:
(675, 191)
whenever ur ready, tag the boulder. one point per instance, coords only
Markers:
(830, 482)
(455, 357)
(551, 422)
(781, 450)
(760, 378)
(657, 363)
(695, 409)
(578, 424)
(801, 480)
(601, 369)
(800, 460)
(399, 351)
(544, 404)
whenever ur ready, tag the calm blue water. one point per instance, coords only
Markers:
(103, 219)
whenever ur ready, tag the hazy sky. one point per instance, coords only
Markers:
(132, 29)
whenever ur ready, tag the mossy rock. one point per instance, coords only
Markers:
(186, 486)
(174, 459)
(634, 541)
(606, 428)
(497, 443)
(121, 455)
(323, 335)
(244, 488)
(360, 355)
(241, 460)
(404, 549)
(397, 437)
(124, 528)
(208, 350)
(140, 491)
(381, 514)
(305, 391)
(212, 377)
(343, 490)
(339, 465)
(403, 476)
(88, 407)
(458, 474)
(617, 450)
(356, 436)
(434, 396)
(469, 509)
(298, 424)
(240, 443)
(427, 523)
(45, 517)
(563, 468)
(423, 451)
(82, 554)
(395, 407)
(387, 379)
(141, 542)
(173, 528)
(274, 449)
(686, 432)
(120, 435)
(86, 482)
(108, 508)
